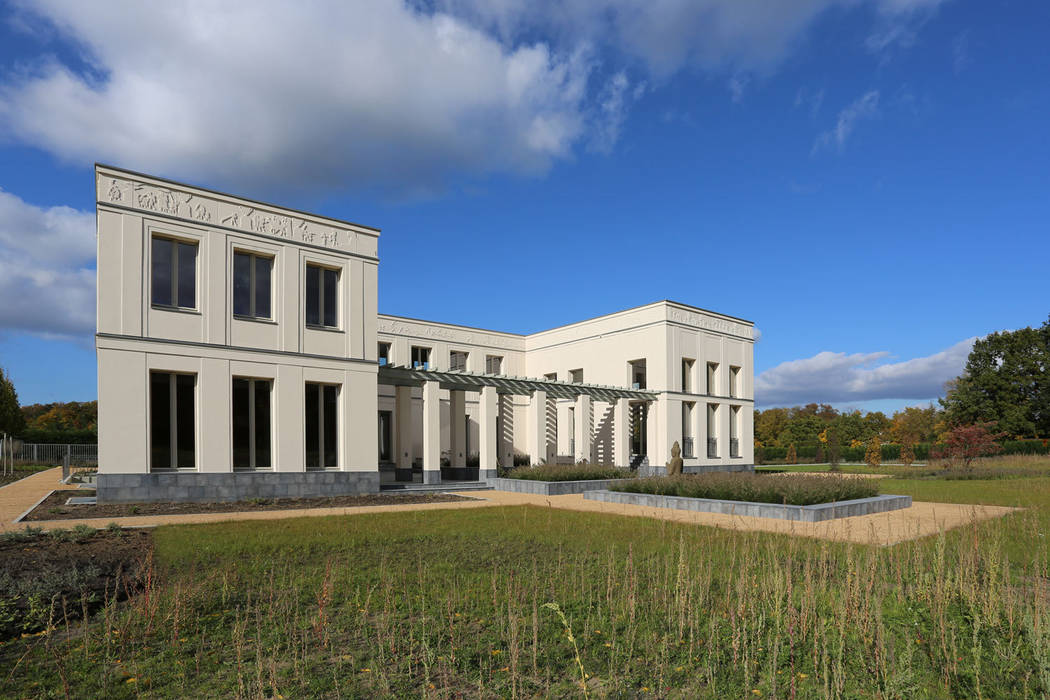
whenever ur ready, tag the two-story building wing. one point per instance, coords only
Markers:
(241, 354)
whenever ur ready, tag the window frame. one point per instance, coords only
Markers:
(422, 364)
(734, 381)
(576, 376)
(253, 256)
(452, 364)
(175, 240)
(321, 386)
(322, 268)
(383, 358)
(499, 363)
(688, 364)
(252, 424)
(173, 420)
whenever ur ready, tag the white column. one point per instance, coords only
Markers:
(457, 414)
(487, 439)
(621, 433)
(538, 427)
(431, 432)
(403, 423)
(583, 434)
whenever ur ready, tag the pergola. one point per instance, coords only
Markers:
(489, 386)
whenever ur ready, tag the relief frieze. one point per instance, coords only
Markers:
(690, 318)
(194, 207)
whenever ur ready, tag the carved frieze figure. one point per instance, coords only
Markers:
(675, 465)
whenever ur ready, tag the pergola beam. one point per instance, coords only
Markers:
(458, 380)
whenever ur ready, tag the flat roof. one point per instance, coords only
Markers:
(234, 196)
(574, 323)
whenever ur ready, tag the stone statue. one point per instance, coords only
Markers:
(674, 467)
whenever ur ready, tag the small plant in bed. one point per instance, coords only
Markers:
(790, 489)
(567, 472)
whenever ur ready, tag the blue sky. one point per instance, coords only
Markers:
(866, 180)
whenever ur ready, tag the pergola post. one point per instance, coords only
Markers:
(457, 416)
(431, 432)
(403, 422)
(487, 438)
(584, 432)
(537, 420)
(621, 433)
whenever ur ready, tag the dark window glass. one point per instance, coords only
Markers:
(262, 424)
(187, 275)
(162, 263)
(160, 420)
(313, 426)
(185, 425)
(241, 425)
(313, 295)
(331, 444)
(242, 284)
(331, 282)
(262, 287)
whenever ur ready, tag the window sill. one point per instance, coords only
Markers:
(328, 329)
(175, 309)
(324, 469)
(255, 319)
(181, 470)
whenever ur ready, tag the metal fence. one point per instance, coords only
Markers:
(51, 454)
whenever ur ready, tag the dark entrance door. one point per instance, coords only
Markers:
(639, 428)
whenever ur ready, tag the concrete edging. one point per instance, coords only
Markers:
(810, 514)
(551, 488)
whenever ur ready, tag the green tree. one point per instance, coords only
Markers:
(769, 424)
(1005, 382)
(11, 420)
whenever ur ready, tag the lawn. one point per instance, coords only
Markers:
(461, 603)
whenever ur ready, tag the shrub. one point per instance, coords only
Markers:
(907, 455)
(568, 472)
(966, 443)
(873, 455)
(790, 489)
(792, 454)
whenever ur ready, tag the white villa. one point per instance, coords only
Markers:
(241, 354)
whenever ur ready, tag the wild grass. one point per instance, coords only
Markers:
(985, 468)
(527, 601)
(790, 489)
(568, 472)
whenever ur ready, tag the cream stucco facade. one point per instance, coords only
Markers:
(241, 352)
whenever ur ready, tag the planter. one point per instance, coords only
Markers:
(551, 488)
(809, 514)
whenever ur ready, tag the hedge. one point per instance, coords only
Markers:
(892, 452)
(60, 437)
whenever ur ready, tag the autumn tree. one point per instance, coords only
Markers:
(792, 454)
(873, 455)
(907, 454)
(965, 443)
(915, 424)
(11, 420)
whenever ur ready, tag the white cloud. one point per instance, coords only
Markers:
(387, 95)
(864, 107)
(47, 276)
(836, 377)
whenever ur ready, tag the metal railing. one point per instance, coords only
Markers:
(54, 454)
(734, 447)
(687, 447)
(712, 448)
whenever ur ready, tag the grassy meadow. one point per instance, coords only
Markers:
(534, 602)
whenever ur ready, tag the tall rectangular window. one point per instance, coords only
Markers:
(687, 429)
(712, 430)
(457, 360)
(173, 279)
(251, 285)
(712, 379)
(734, 381)
(687, 375)
(322, 285)
(322, 427)
(734, 431)
(172, 424)
(420, 357)
(384, 354)
(493, 364)
(251, 423)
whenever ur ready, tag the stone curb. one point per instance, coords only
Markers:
(810, 514)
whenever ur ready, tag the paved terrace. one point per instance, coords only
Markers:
(921, 520)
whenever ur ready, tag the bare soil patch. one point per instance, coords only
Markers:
(54, 506)
(48, 578)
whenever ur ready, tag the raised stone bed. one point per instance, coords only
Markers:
(808, 514)
(550, 488)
